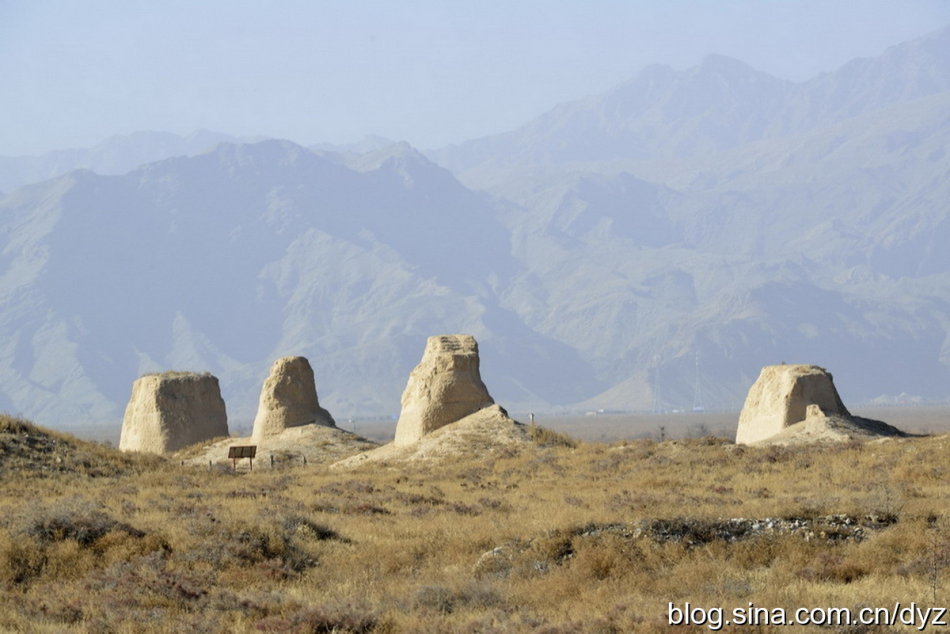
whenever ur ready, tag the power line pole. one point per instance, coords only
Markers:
(698, 390)
(657, 397)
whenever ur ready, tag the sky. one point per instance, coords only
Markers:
(427, 72)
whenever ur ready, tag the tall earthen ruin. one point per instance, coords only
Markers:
(781, 398)
(172, 410)
(289, 399)
(445, 387)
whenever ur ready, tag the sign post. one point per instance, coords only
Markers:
(246, 451)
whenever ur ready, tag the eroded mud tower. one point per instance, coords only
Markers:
(445, 387)
(781, 397)
(172, 410)
(289, 399)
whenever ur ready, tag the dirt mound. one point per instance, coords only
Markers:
(818, 427)
(486, 432)
(26, 449)
(306, 444)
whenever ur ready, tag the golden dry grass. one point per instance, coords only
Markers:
(567, 532)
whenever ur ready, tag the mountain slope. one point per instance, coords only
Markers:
(684, 115)
(767, 221)
(715, 217)
(115, 155)
(226, 260)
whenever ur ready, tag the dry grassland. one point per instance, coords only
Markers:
(549, 538)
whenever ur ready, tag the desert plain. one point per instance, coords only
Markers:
(593, 525)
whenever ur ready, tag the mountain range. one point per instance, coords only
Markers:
(649, 248)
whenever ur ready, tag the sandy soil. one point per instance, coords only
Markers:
(613, 427)
(308, 444)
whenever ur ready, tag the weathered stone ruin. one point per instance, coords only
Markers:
(780, 398)
(172, 410)
(289, 399)
(799, 403)
(444, 388)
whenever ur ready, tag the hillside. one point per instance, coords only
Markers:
(678, 116)
(820, 246)
(116, 155)
(29, 452)
(227, 260)
(721, 214)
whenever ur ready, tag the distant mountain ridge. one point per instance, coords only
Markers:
(835, 188)
(721, 104)
(115, 155)
(628, 251)
(229, 259)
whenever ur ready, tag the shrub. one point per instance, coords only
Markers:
(321, 620)
(14, 425)
(549, 438)
(67, 538)
(79, 520)
(436, 598)
(299, 525)
(23, 560)
(832, 566)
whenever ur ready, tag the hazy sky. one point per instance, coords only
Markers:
(429, 72)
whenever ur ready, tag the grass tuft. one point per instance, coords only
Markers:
(545, 437)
